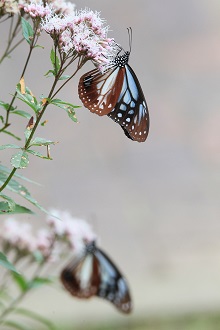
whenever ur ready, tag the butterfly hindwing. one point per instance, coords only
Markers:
(95, 274)
(131, 111)
(118, 94)
(113, 286)
(99, 92)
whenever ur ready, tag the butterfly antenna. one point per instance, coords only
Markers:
(130, 37)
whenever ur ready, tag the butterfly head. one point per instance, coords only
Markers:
(91, 247)
(122, 60)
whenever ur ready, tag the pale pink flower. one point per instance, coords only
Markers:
(18, 235)
(75, 232)
(83, 33)
(8, 7)
(44, 241)
(36, 8)
(54, 24)
(62, 6)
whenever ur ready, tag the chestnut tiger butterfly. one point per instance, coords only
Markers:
(117, 93)
(94, 274)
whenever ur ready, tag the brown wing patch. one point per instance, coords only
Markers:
(100, 92)
(72, 276)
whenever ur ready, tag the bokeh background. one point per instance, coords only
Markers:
(154, 205)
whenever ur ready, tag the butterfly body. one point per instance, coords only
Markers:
(94, 274)
(118, 94)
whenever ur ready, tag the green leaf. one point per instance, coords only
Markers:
(39, 281)
(64, 77)
(2, 119)
(35, 317)
(38, 154)
(19, 189)
(27, 133)
(28, 98)
(15, 325)
(6, 106)
(7, 146)
(22, 113)
(21, 282)
(20, 160)
(47, 74)
(11, 134)
(68, 107)
(38, 256)
(60, 103)
(55, 61)
(39, 142)
(6, 206)
(6, 263)
(8, 171)
(18, 209)
(27, 30)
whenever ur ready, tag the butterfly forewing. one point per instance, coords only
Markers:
(100, 92)
(131, 111)
(95, 274)
(81, 277)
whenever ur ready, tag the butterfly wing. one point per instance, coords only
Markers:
(100, 92)
(95, 274)
(81, 276)
(113, 285)
(131, 111)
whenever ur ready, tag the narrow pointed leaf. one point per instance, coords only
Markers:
(15, 325)
(7, 146)
(20, 160)
(55, 61)
(18, 209)
(27, 30)
(13, 135)
(38, 154)
(64, 77)
(8, 171)
(6, 106)
(21, 190)
(41, 142)
(22, 113)
(39, 281)
(36, 317)
(68, 107)
(7, 264)
(7, 205)
(21, 282)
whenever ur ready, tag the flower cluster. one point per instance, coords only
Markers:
(83, 33)
(63, 231)
(36, 8)
(8, 7)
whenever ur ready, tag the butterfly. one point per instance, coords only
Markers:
(94, 274)
(117, 93)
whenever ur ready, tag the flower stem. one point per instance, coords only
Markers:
(8, 179)
(15, 302)
(11, 37)
(32, 45)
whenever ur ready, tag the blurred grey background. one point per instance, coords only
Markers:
(154, 205)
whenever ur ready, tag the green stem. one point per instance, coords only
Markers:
(11, 37)
(15, 302)
(41, 113)
(8, 179)
(32, 45)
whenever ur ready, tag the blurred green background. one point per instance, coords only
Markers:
(155, 206)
